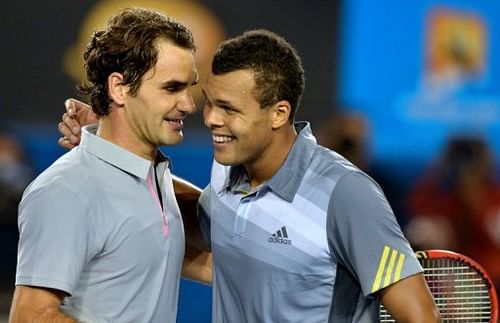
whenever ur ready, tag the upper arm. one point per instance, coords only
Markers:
(54, 223)
(406, 306)
(187, 196)
(34, 304)
(364, 236)
(197, 265)
(204, 215)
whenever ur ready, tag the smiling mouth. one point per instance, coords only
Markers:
(177, 121)
(218, 139)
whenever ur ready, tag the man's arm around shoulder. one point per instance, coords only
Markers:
(409, 300)
(36, 304)
(197, 259)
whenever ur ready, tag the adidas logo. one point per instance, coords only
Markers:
(281, 236)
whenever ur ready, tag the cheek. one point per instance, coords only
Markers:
(256, 135)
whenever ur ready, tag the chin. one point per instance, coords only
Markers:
(171, 141)
(226, 161)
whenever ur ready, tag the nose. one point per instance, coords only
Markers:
(186, 103)
(211, 118)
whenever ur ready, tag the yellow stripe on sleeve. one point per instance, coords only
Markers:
(388, 274)
(381, 267)
(401, 261)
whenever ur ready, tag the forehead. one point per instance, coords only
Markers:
(173, 62)
(239, 84)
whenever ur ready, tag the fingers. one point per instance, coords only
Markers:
(80, 114)
(71, 125)
(65, 143)
(68, 135)
(73, 106)
(70, 109)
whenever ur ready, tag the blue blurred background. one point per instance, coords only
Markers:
(389, 84)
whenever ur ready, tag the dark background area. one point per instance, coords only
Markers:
(36, 34)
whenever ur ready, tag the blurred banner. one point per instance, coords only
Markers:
(421, 72)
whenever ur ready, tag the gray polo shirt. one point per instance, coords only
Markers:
(91, 225)
(311, 245)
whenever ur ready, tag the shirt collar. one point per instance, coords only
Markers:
(286, 181)
(116, 155)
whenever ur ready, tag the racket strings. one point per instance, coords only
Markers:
(460, 292)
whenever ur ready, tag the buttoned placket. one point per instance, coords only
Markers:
(243, 211)
(155, 192)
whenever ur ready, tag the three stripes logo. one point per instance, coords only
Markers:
(389, 268)
(281, 236)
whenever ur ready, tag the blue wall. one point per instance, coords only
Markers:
(383, 46)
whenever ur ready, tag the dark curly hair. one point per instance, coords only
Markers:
(127, 45)
(277, 67)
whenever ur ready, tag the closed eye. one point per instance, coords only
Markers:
(174, 88)
(228, 110)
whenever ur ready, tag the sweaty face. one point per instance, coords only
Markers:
(241, 129)
(156, 113)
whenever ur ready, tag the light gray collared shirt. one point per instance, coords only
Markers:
(92, 225)
(313, 244)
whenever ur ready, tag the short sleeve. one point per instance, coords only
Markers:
(364, 235)
(204, 208)
(57, 238)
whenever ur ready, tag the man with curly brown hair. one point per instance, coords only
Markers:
(101, 235)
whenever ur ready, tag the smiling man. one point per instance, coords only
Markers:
(101, 236)
(298, 233)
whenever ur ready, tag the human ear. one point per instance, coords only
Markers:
(280, 113)
(116, 90)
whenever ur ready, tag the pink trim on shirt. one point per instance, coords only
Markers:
(155, 196)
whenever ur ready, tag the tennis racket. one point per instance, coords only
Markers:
(461, 288)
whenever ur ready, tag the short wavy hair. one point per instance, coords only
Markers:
(277, 67)
(127, 45)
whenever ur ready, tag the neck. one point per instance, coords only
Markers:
(269, 163)
(113, 128)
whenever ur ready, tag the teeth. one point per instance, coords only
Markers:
(174, 120)
(221, 139)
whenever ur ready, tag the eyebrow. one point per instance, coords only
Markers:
(180, 83)
(218, 101)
